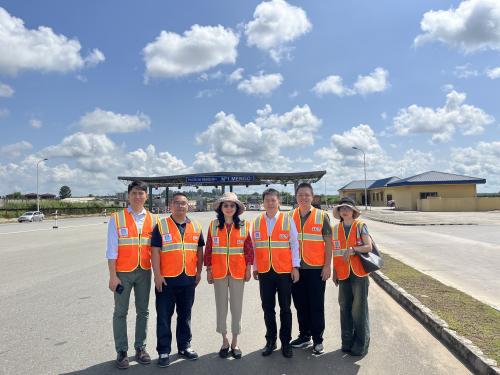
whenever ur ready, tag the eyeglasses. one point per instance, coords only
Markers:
(228, 205)
(180, 203)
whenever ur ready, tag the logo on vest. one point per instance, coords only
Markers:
(283, 236)
(167, 237)
(239, 242)
(336, 244)
(257, 235)
(215, 240)
(123, 232)
(316, 229)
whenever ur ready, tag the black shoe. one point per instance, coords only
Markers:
(301, 342)
(122, 360)
(269, 348)
(287, 351)
(142, 356)
(236, 352)
(188, 353)
(164, 360)
(224, 352)
(345, 349)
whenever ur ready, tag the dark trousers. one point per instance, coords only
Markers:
(181, 298)
(309, 300)
(270, 283)
(354, 318)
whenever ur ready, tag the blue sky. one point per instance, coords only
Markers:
(156, 88)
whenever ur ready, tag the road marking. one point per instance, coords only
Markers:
(45, 229)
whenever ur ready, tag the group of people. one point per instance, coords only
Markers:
(290, 254)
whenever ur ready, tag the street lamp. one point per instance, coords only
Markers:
(37, 197)
(364, 167)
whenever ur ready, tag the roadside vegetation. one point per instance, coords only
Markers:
(464, 314)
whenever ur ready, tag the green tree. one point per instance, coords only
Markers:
(64, 192)
(16, 195)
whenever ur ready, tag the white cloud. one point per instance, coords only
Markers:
(100, 121)
(275, 24)
(5, 90)
(377, 81)
(442, 122)
(261, 84)
(465, 71)
(473, 26)
(39, 49)
(493, 73)
(16, 149)
(207, 93)
(236, 75)
(35, 123)
(198, 49)
(481, 160)
(257, 145)
(332, 85)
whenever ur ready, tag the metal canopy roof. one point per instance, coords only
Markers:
(228, 178)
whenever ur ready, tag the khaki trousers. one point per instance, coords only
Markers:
(229, 290)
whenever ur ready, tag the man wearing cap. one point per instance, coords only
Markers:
(177, 258)
(229, 257)
(350, 236)
(129, 264)
(276, 267)
(315, 240)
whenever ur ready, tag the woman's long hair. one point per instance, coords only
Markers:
(222, 221)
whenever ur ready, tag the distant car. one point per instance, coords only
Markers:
(391, 203)
(31, 216)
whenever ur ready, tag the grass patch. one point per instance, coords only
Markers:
(471, 318)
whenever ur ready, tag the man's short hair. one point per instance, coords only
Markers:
(304, 185)
(177, 193)
(270, 191)
(141, 185)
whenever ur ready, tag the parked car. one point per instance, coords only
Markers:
(31, 216)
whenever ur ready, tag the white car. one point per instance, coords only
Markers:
(31, 216)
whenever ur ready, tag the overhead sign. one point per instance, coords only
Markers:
(218, 179)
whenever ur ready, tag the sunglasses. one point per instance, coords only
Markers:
(228, 205)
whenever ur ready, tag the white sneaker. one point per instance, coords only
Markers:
(318, 349)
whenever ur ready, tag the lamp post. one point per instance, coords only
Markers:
(364, 167)
(37, 197)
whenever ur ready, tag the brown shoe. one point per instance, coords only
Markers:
(142, 356)
(122, 360)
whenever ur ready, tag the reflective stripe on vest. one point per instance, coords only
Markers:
(227, 250)
(273, 250)
(340, 245)
(311, 242)
(178, 254)
(134, 248)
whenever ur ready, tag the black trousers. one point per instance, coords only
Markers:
(309, 300)
(180, 298)
(270, 283)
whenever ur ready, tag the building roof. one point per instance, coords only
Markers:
(426, 178)
(436, 178)
(358, 184)
(229, 178)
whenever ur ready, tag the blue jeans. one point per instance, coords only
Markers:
(354, 318)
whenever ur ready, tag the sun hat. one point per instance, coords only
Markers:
(346, 202)
(229, 197)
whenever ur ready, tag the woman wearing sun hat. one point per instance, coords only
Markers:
(350, 236)
(229, 256)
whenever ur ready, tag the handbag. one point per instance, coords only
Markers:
(371, 261)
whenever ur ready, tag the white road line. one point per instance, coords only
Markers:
(45, 229)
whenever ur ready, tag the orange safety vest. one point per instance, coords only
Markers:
(275, 249)
(341, 243)
(227, 250)
(312, 244)
(134, 249)
(178, 254)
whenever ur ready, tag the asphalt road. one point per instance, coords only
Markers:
(466, 257)
(56, 314)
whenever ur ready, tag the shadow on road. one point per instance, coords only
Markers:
(303, 363)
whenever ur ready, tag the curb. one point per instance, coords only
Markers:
(414, 224)
(462, 347)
